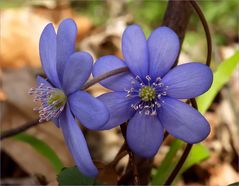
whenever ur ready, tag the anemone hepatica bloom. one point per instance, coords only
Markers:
(148, 94)
(60, 96)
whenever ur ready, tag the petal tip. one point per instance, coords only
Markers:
(68, 21)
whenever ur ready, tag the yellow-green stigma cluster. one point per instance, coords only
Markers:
(52, 101)
(147, 93)
(57, 98)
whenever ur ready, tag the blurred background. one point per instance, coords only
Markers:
(36, 156)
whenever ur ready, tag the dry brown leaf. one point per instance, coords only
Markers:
(27, 157)
(223, 174)
(108, 175)
(20, 33)
(3, 96)
(21, 30)
(16, 84)
(16, 111)
(106, 40)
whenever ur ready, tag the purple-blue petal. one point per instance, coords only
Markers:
(65, 39)
(119, 107)
(135, 51)
(91, 112)
(188, 80)
(183, 121)
(163, 46)
(76, 144)
(144, 134)
(77, 70)
(47, 49)
(45, 82)
(118, 82)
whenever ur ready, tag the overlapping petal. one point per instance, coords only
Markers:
(135, 51)
(91, 112)
(144, 134)
(77, 71)
(65, 40)
(188, 80)
(76, 143)
(43, 81)
(183, 121)
(119, 107)
(47, 48)
(118, 82)
(163, 46)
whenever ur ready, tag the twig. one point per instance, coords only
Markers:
(20, 129)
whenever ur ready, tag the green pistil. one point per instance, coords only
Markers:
(147, 93)
(57, 98)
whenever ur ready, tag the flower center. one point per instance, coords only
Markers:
(147, 93)
(52, 101)
(150, 94)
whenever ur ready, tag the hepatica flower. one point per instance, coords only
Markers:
(60, 96)
(148, 94)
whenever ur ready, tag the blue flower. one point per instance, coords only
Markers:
(148, 94)
(60, 96)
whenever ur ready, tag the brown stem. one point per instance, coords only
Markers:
(122, 153)
(20, 129)
(165, 135)
(177, 18)
(104, 76)
(132, 162)
(179, 165)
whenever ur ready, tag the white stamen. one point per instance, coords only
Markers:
(52, 101)
(148, 104)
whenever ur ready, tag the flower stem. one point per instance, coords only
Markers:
(104, 76)
(206, 29)
(179, 165)
(20, 129)
(132, 162)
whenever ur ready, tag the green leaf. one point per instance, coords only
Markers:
(42, 148)
(220, 77)
(168, 163)
(72, 176)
